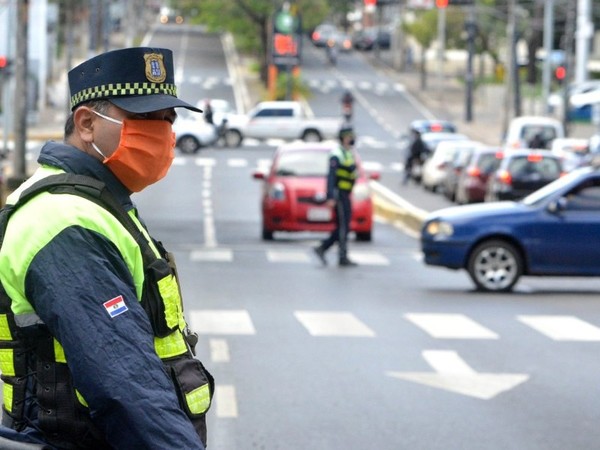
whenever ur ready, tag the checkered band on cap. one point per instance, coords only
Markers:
(122, 90)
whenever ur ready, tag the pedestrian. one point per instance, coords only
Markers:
(347, 104)
(415, 156)
(96, 353)
(208, 113)
(340, 180)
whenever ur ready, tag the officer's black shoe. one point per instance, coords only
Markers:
(345, 262)
(320, 254)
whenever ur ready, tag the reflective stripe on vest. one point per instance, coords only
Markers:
(346, 173)
(198, 400)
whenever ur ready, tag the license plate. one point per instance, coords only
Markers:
(318, 214)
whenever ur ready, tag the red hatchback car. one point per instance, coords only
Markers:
(294, 191)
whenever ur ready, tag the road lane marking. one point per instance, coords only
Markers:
(237, 162)
(369, 258)
(288, 256)
(226, 401)
(219, 351)
(562, 328)
(227, 322)
(211, 255)
(453, 374)
(338, 324)
(450, 326)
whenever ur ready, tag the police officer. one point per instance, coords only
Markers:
(340, 180)
(95, 348)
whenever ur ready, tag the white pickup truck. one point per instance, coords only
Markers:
(286, 120)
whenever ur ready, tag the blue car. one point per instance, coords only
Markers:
(554, 231)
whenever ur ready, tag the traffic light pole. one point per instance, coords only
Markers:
(547, 68)
(471, 29)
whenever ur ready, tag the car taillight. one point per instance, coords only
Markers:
(534, 157)
(505, 177)
(316, 36)
(499, 155)
(473, 172)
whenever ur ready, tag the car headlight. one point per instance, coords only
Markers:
(276, 191)
(361, 192)
(439, 229)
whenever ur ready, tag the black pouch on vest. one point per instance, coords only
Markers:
(152, 301)
(195, 388)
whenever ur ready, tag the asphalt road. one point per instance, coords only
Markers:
(388, 355)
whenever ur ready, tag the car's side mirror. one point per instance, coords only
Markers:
(556, 206)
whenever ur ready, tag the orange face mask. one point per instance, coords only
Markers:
(144, 154)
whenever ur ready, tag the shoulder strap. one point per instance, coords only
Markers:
(88, 188)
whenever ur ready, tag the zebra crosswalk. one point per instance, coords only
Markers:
(442, 326)
(264, 163)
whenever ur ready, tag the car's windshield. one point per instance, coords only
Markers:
(541, 194)
(303, 164)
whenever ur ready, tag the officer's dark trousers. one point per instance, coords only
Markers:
(343, 209)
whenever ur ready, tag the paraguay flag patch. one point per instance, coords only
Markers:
(115, 306)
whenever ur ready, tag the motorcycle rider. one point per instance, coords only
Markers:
(415, 155)
(347, 104)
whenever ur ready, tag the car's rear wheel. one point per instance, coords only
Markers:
(188, 144)
(233, 138)
(311, 136)
(495, 266)
(364, 236)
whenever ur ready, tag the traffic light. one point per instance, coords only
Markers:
(560, 74)
(440, 4)
(5, 64)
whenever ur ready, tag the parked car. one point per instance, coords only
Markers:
(553, 231)
(294, 190)
(280, 119)
(472, 181)
(322, 33)
(571, 151)
(433, 139)
(432, 126)
(192, 132)
(581, 96)
(521, 172)
(464, 150)
(522, 130)
(369, 38)
(435, 167)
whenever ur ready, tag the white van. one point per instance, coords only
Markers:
(522, 130)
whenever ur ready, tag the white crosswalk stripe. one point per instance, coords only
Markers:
(450, 326)
(562, 328)
(337, 324)
(347, 324)
(241, 163)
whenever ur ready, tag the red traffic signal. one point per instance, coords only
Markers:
(441, 4)
(560, 73)
(3, 62)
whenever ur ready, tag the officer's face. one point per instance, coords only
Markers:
(107, 134)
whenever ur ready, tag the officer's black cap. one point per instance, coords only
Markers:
(345, 130)
(138, 80)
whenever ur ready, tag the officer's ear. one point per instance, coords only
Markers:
(83, 122)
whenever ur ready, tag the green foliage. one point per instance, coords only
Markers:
(296, 86)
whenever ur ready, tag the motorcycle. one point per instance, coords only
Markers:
(332, 52)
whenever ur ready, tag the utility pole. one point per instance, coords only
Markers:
(471, 31)
(547, 68)
(510, 61)
(585, 30)
(568, 47)
(20, 99)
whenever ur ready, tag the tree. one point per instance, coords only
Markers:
(249, 20)
(425, 31)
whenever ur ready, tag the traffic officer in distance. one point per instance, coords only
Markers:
(340, 180)
(95, 348)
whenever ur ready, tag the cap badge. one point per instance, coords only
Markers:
(155, 69)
